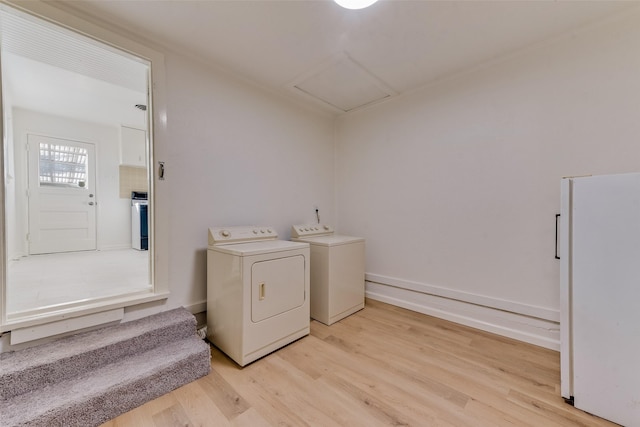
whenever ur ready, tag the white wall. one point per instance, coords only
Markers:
(456, 187)
(113, 213)
(235, 156)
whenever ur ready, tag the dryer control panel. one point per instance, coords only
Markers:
(229, 235)
(311, 230)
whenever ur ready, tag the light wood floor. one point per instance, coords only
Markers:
(381, 366)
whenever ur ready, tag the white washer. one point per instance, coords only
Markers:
(337, 271)
(257, 291)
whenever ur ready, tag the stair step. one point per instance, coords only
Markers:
(100, 395)
(32, 368)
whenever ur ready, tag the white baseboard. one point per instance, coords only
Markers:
(198, 307)
(32, 333)
(115, 247)
(39, 334)
(484, 313)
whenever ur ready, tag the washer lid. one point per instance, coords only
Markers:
(257, 248)
(331, 240)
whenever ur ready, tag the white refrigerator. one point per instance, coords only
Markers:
(599, 249)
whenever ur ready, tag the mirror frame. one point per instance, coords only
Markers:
(157, 136)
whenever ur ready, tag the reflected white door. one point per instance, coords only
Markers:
(62, 197)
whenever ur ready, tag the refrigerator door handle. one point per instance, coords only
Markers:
(557, 221)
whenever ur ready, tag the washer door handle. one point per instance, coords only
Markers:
(261, 291)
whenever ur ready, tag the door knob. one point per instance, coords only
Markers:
(90, 203)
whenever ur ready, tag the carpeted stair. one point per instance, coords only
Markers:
(89, 378)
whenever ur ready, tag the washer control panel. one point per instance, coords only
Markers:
(311, 230)
(227, 235)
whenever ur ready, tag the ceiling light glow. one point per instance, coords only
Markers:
(355, 4)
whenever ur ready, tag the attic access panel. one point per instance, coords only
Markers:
(343, 84)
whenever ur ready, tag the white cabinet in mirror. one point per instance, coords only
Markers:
(133, 146)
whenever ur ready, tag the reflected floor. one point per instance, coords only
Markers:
(40, 281)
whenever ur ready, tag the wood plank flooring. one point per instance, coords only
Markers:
(381, 366)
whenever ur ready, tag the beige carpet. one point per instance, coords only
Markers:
(87, 379)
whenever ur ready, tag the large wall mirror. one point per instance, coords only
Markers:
(76, 146)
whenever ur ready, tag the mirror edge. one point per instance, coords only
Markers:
(3, 239)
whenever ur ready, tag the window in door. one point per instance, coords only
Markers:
(63, 165)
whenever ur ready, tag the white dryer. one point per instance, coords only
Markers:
(337, 271)
(257, 291)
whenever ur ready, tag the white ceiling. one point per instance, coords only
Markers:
(50, 70)
(400, 44)
(48, 89)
